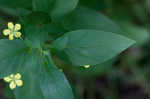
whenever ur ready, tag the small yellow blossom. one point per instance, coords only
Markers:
(13, 30)
(14, 80)
(61, 70)
(86, 66)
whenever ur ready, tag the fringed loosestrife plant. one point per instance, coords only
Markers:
(14, 80)
(12, 31)
(82, 42)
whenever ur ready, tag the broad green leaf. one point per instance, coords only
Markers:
(12, 56)
(43, 5)
(42, 80)
(35, 18)
(9, 11)
(21, 12)
(30, 88)
(84, 18)
(60, 46)
(53, 82)
(29, 64)
(35, 27)
(55, 30)
(35, 36)
(15, 13)
(34, 60)
(16, 3)
(62, 8)
(96, 70)
(91, 46)
(95, 4)
(31, 77)
(60, 54)
(15, 57)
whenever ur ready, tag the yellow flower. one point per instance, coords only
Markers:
(61, 70)
(14, 80)
(13, 30)
(86, 66)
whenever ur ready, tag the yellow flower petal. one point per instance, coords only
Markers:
(19, 83)
(17, 34)
(10, 25)
(7, 79)
(18, 76)
(11, 76)
(86, 66)
(12, 85)
(6, 32)
(17, 27)
(11, 36)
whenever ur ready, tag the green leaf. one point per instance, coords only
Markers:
(16, 3)
(57, 8)
(92, 47)
(54, 30)
(35, 18)
(62, 8)
(12, 56)
(84, 18)
(35, 27)
(95, 4)
(42, 80)
(97, 70)
(43, 5)
(30, 88)
(53, 82)
(31, 77)
(16, 58)
(34, 60)
(60, 46)
(36, 36)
